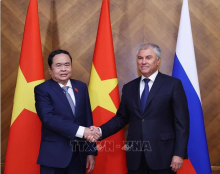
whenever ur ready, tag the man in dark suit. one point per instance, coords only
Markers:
(63, 107)
(155, 107)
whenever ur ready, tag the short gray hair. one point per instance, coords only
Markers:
(154, 47)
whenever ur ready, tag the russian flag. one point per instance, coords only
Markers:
(185, 69)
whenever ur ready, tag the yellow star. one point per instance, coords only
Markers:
(99, 91)
(24, 96)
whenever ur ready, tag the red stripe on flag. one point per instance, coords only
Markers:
(187, 168)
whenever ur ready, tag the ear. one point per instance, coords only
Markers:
(158, 61)
(49, 69)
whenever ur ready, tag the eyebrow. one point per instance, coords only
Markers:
(63, 63)
(149, 56)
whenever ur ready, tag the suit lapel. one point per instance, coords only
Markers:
(136, 95)
(58, 90)
(156, 86)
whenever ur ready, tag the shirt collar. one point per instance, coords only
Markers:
(68, 84)
(152, 77)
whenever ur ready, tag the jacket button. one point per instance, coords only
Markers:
(143, 120)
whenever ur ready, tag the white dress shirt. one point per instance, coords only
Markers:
(150, 83)
(81, 129)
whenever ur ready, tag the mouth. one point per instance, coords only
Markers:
(63, 75)
(144, 67)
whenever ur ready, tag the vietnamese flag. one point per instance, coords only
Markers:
(104, 97)
(25, 130)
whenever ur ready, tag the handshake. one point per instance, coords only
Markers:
(92, 134)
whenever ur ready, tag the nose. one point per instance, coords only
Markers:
(63, 68)
(144, 61)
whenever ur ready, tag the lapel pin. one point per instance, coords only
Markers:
(76, 89)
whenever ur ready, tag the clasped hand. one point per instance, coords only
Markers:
(92, 134)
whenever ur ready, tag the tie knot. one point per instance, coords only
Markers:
(146, 80)
(65, 88)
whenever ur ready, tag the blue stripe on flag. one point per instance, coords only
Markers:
(197, 146)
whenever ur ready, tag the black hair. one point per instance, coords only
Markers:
(54, 53)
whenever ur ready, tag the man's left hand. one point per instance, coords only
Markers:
(90, 163)
(177, 163)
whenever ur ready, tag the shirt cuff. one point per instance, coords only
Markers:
(80, 132)
(100, 130)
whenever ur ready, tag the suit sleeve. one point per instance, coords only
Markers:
(118, 121)
(181, 120)
(89, 122)
(50, 120)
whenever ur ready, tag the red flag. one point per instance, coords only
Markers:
(104, 97)
(25, 130)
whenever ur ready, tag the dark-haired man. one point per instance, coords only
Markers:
(63, 107)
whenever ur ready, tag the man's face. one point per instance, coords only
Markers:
(61, 68)
(147, 62)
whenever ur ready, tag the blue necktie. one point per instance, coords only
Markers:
(144, 95)
(65, 89)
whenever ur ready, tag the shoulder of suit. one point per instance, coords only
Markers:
(137, 80)
(77, 82)
(169, 78)
(44, 84)
(51, 82)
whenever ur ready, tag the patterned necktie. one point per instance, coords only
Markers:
(144, 95)
(65, 89)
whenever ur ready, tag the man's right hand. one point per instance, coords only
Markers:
(92, 134)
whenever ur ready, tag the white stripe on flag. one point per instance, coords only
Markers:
(185, 48)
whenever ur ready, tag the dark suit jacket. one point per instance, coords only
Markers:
(59, 126)
(162, 130)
